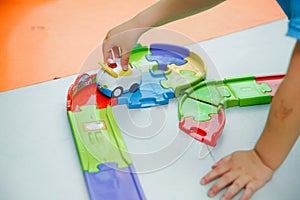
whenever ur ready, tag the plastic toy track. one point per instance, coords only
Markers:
(106, 163)
(168, 71)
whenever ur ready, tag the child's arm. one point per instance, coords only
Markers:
(283, 125)
(166, 11)
(253, 169)
(124, 37)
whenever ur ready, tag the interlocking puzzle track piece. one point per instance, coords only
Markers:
(242, 91)
(247, 91)
(178, 82)
(207, 132)
(206, 96)
(194, 64)
(201, 120)
(170, 49)
(165, 54)
(273, 81)
(150, 93)
(210, 92)
(98, 138)
(111, 183)
(179, 78)
(84, 92)
(138, 58)
(200, 111)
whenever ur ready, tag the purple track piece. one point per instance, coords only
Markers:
(112, 183)
(181, 52)
(165, 54)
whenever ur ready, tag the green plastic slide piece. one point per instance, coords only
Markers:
(98, 138)
(138, 58)
(193, 108)
(248, 91)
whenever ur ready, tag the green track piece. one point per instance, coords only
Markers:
(197, 109)
(211, 92)
(138, 58)
(189, 74)
(248, 91)
(242, 91)
(98, 138)
(180, 81)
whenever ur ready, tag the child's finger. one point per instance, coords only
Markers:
(235, 187)
(125, 60)
(249, 191)
(213, 174)
(222, 161)
(222, 182)
(106, 51)
(116, 52)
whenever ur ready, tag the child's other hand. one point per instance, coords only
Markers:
(120, 41)
(239, 170)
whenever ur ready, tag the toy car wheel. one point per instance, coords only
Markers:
(117, 92)
(133, 87)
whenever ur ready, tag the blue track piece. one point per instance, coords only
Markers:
(165, 54)
(150, 93)
(112, 183)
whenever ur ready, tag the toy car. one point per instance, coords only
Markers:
(113, 81)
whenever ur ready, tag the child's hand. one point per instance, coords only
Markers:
(120, 41)
(239, 170)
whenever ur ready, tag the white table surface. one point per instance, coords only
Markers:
(38, 158)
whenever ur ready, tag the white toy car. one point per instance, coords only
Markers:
(113, 81)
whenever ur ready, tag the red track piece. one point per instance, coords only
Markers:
(207, 132)
(273, 81)
(89, 94)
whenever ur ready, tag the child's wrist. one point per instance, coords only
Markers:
(261, 157)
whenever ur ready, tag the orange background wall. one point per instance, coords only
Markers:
(46, 39)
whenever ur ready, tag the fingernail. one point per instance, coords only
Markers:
(210, 193)
(125, 67)
(223, 198)
(203, 182)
